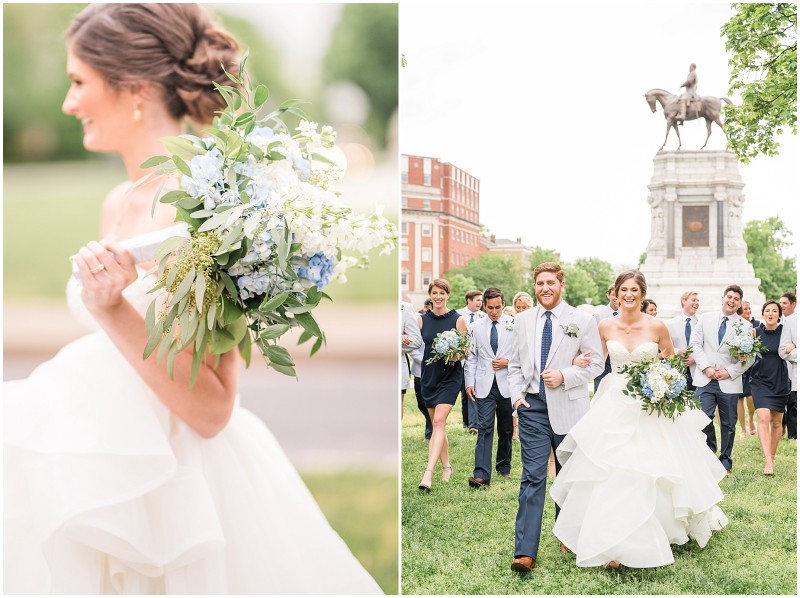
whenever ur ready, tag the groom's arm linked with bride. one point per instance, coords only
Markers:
(551, 395)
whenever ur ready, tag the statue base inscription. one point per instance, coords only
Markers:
(696, 238)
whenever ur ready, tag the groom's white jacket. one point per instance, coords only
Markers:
(567, 403)
(478, 370)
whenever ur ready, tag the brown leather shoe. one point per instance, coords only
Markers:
(523, 564)
(478, 482)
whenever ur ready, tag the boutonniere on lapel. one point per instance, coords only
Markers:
(570, 329)
(481, 314)
(509, 324)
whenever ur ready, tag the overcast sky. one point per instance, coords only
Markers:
(545, 105)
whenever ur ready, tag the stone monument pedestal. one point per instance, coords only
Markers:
(696, 238)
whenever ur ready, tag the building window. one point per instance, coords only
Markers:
(427, 230)
(404, 278)
(426, 204)
(404, 253)
(405, 169)
(404, 228)
(427, 277)
(426, 254)
(405, 202)
(426, 171)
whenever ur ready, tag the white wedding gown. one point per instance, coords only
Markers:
(106, 491)
(634, 483)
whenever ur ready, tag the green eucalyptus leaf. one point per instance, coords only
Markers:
(225, 339)
(183, 146)
(261, 95)
(317, 346)
(185, 286)
(231, 312)
(182, 166)
(279, 355)
(199, 290)
(283, 369)
(154, 161)
(168, 246)
(153, 339)
(173, 196)
(274, 331)
(308, 322)
(273, 303)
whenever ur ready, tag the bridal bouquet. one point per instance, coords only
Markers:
(660, 383)
(744, 346)
(266, 233)
(450, 346)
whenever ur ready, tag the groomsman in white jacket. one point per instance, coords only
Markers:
(486, 381)
(718, 376)
(681, 326)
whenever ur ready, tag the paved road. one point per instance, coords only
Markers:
(342, 412)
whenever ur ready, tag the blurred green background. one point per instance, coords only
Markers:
(341, 57)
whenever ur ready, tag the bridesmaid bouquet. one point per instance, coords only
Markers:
(266, 233)
(450, 346)
(660, 383)
(744, 346)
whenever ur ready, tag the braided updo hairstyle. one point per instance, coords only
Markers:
(177, 47)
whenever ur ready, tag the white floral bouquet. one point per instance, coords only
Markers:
(744, 346)
(266, 233)
(660, 383)
(450, 346)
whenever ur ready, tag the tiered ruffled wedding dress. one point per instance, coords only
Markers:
(634, 483)
(106, 491)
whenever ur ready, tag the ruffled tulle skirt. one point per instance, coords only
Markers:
(632, 484)
(105, 491)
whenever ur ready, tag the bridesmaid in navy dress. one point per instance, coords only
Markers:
(441, 382)
(769, 383)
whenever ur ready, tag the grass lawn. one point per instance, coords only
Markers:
(346, 496)
(457, 540)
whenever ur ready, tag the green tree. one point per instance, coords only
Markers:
(492, 270)
(579, 286)
(600, 272)
(363, 50)
(767, 242)
(460, 285)
(762, 41)
(540, 255)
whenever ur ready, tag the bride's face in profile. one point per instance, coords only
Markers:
(629, 295)
(105, 113)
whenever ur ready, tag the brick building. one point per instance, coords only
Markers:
(439, 222)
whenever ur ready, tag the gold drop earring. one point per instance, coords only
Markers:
(137, 113)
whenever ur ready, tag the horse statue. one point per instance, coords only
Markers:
(707, 107)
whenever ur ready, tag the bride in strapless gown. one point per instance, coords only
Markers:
(633, 483)
(107, 491)
(117, 477)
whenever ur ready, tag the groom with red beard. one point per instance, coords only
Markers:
(549, 392)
